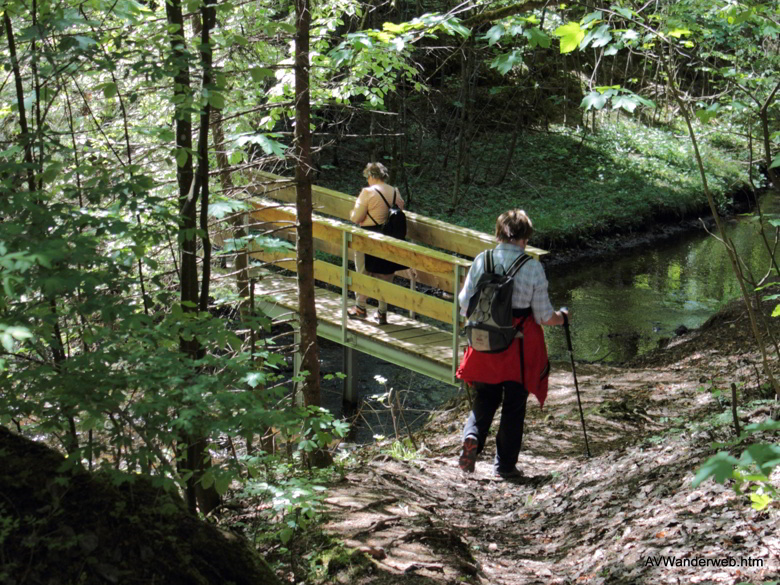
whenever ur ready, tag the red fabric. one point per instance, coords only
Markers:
(494, 368)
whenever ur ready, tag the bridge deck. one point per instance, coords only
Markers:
(406, 342)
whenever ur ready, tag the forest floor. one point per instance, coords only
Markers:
(626, 515)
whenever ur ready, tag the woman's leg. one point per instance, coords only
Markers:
(486, 401)
(360, 267)
(386, 278)
(509, 438)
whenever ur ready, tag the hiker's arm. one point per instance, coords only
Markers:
(540, 300)
(359, 212)
(468, 284)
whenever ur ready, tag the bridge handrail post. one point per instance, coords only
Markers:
(455, 320)
(346, 238)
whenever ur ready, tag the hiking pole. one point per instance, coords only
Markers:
(574, 373)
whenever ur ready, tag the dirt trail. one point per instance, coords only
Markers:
(608, 519)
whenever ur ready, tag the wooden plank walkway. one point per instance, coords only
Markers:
(406, 342)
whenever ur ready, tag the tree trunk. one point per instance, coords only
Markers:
(306, 306)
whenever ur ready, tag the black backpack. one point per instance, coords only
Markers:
(489, 327)
(395, 225)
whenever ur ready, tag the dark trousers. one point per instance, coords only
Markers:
(510, 429)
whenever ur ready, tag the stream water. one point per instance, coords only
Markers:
(623, 305)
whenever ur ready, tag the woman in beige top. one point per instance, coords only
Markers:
(370, 212)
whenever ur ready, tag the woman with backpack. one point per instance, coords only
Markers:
(507, 376)
(371, 211)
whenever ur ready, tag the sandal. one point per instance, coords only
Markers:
(380, 318)
(357, 312)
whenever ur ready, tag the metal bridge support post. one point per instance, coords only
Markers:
(349, 398)
(413, 286)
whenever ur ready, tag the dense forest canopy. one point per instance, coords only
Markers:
(130, 133)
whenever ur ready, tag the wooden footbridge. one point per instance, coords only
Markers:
(426, 340)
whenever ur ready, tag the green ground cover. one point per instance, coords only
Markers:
(620, 180)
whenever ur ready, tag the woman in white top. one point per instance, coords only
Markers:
(370, 212)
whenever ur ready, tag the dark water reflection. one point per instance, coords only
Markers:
(622, 306)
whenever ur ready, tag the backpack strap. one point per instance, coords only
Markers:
(378, 190)
(489, 262)
(372, 219)
(517, 264)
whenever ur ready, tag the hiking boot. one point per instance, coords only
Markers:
(357, 312)
(510, 474)
(468, 456)
(380, 318)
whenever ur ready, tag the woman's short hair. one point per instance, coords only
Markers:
(513, 225)
(376, 170)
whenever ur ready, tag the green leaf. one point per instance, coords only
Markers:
(763, 455)
(260, 73)
(768, 425)
(626, 102)
(624, 12)
(51, 172)
(286, 534)
(504, 63)
(216, 100)
(679, 32)
(775, 162)
(207, 479)
(570, 36)
(494, 34)
(254, 379)
(181, 156)
(109, 90)
(599, 37)
(760, 501)
(237, 156)
(222, 483)
(776, 312)
(537, 38)
(595, 100)
(721, 466)
(708, 113)
(268, 145)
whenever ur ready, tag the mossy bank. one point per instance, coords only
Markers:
(628, 178)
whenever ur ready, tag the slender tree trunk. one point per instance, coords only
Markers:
(305, 262)
(24, 136)
(763, 116)
(509, 156)
(187, 208)
(465, 65)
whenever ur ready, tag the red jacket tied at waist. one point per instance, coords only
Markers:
(524, 361)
